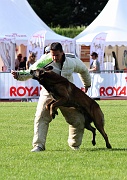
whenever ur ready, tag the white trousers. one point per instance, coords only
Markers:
(42, 119)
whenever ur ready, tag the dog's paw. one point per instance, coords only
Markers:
(47, 107)
(93, 142)
(54, 114)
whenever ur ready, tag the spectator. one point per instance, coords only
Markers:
(22, 64)
(95, 65)
(17, 61)
(31, 59)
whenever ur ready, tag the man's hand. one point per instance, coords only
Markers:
(14, 74)
(85, 89)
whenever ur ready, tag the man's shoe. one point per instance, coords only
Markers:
(37, 149)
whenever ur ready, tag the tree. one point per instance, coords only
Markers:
(65, 13)
(86, 11)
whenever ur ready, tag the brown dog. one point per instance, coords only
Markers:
(67, 94)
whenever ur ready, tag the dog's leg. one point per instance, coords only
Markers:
(94, 134)
(98, 119)
(53, 111)
(102, 131)
(92, 129)
(100, 128)
(48, 107)
(55, 105)
(49, 104)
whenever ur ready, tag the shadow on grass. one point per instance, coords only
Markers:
(105, 149)
(89, 149)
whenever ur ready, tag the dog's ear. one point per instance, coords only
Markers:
(49, 68)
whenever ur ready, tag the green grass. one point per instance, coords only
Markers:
(59, 162)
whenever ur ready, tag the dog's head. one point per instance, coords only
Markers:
(39, 73)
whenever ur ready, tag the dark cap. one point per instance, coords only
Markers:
(94, 54)
(47, 49)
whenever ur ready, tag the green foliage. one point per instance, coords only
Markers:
(59, 162)
(67, 13)
(70, 32)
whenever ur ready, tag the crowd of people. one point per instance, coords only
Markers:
(21, 63)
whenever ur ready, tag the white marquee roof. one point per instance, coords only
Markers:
(112, 20)
(19, 21)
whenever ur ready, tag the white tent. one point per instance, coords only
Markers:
(112, 20)
(40, 39)
(20, 22)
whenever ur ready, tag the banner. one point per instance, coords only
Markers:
(98, 46)
(10, 88)
(36, 44)
(7, 54)
(103, 85)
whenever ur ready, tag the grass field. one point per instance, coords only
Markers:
(59, 162)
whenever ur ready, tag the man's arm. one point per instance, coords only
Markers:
(21, 75)
(83, 73)
(24, 75)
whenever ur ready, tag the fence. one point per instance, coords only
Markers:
(104, 84)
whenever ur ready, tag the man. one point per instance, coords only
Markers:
(65, 65)
(17, 61)
(95, 65)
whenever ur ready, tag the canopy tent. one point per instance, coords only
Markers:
(112, 20)
(19, 21)
(40, 39)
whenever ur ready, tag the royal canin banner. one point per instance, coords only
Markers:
(103, 85)
(13, 89)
